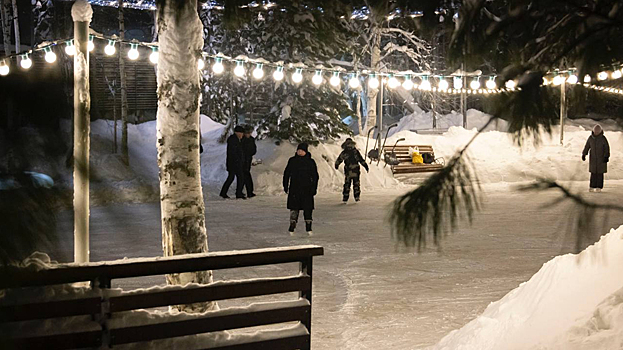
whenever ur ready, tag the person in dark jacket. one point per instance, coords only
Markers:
(599, 150)
(300, 182)
(235, 163)
(249, 149)
(351, 158)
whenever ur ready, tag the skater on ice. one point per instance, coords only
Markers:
(235, 163)
(248, 149)
(351, 158)
(598, 149)
(300, 182)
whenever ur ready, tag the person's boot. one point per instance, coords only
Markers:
(598, 189)
(292, 227)
(357, 199)
(344, 199)
(308, 227)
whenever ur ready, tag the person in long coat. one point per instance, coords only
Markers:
(235, 163)
(300, 182)
(351, 158)
(249, 149)
(598, 149)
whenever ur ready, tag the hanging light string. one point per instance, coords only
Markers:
(336, 76)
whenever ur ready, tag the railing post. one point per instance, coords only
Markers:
(307, 268)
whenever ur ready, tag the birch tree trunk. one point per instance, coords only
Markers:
(124, 93)
(18, 45)
(375, 61)
(6, 27)
(181, 197)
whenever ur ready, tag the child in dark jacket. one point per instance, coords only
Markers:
(351, 158)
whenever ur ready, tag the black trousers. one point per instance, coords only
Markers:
(354, 179)
(307, 215)
(248, 182)
(239, 175)
(597, 180)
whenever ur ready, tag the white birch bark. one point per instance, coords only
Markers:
(124, 93)
(181, 198)
(375, 60)
(6, 27)
(18, 45)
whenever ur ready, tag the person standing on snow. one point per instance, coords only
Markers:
(249, 149)
(300, 182)
(599, 150)
(235, 163)
(351, 158)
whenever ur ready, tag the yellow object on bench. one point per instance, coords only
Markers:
(407, 164)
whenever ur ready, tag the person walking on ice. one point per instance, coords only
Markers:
(351, 158)
(598, 149)
(300, 182)
(234, 163)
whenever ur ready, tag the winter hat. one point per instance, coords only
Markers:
(597, 129)
(303, 146)
(238, 128)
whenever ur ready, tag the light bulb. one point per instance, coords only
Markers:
(201, 64)
(510, 84)
(393, 83)
(153, 57)
(278, 74)
(133, 53)
(443, 85)
(110, 48)
(353, 82)
(475, 84)
(458, 83)
(90, 46)
(239, 71)
(26, 62)
(258, 72)
(558, 80)
(408, 84)
(616, 74)
(297, 77)
(317, 78)
(70, 49)
(50, 56)
(425, 85)
(587, 78)
(335, 79)
(218, 67)
(602, 76)
(4, 68)
(491, 84)
(573, 79)
(373, 82)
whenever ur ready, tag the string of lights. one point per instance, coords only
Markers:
(409, 80)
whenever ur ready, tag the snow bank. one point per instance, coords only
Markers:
(572, 302)
(420, 120)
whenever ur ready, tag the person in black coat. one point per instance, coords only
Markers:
(235, 163)
(351, 158)
(599, 150)
(248, 149)
(300, 182)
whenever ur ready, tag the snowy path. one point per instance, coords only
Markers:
(369, 294)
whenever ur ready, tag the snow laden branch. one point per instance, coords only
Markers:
(416, 49)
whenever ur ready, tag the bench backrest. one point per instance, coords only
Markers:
(105, 306)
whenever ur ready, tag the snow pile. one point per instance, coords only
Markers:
(572, 302)
(420, 120)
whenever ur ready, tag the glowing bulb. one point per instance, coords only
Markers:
(110, 48)
(4, 68)
(218, 67)
(239, 71)
(353, 82)
(425, 85)
(70, 49)
(602, 76)
(458, 83)
(443, 84)
(573, 79)
(616, 74)
(510, 84)
(558, 80)
(201, 64)
(335, 79)
(407, 84)
(297, 77)
(587, 78)
(393, 83)
(317, 78)
(90, 46)
(545, 81)
(133, 53)
(475, 84)
(26, 62)
(258, 72)
(50, 56)
(490, 84)
(153, 57)
(373, 82)
(278, 74)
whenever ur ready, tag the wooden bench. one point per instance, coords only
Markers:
(406, 165)
(100, 309)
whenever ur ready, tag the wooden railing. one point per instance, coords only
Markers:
(108, 306)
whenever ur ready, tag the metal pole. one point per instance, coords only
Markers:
(563, 109)
(379, 114)
(82, 13)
